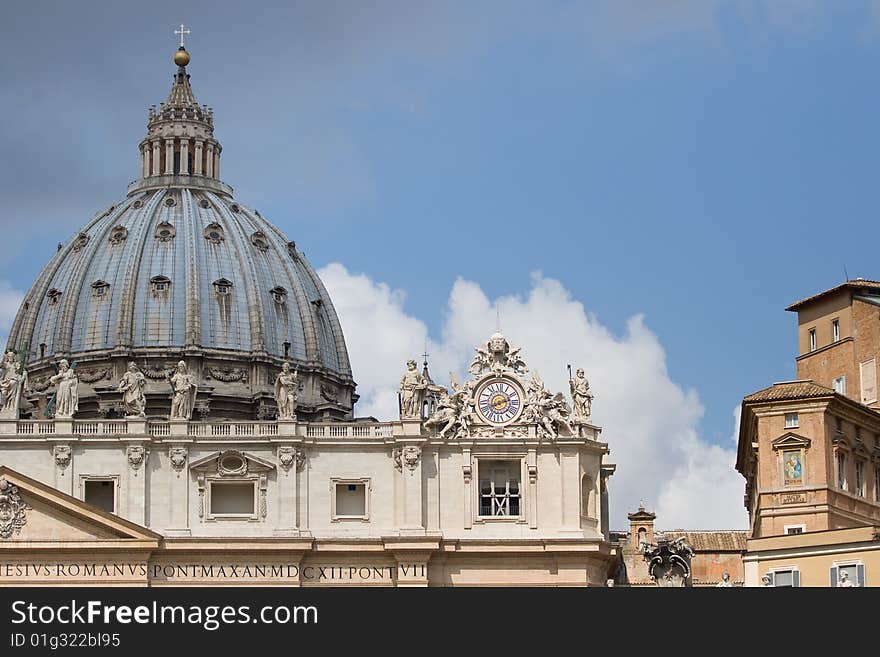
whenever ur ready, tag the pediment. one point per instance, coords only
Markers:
(35, 513)
(231, 463)
(791, 440)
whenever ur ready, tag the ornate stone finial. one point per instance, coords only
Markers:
(12, 509)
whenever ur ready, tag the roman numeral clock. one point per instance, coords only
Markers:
(499, 400)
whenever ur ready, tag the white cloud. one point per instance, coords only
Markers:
(10, 300)
(650, 420)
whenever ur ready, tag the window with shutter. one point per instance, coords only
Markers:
(833, 577)
(861, 574)
(796, 578)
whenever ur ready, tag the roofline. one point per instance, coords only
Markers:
(849, 284)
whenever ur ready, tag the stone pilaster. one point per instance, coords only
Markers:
(169, 157)
(156, 155)
(184, 156)
(197, 158)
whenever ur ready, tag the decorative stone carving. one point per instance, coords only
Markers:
(54, 296)
(81, 240)
(549, 412)
(259, 240)
(497, 357)
(329, 393)
(286, 457)
(291, 250)
(232, 463)
(412, 392)
(91, 376)
(407, 456)
(132, 385)
(61, 453)
(228, 374)
(183, 392)
(452, 417)
(118, 235)
(170, 202)
(40, 384)
(99, 290)
(66, 398)
(157, 373)
(203, 409)
(289, 456)
(581, 397)
(279, 295)
(177, 454)
(136, 455)
(286, 393)
(12, 383)
(165, 232)
(12, 509)
(214, 233)
(669, 561)
(137, 204)
(844, 581)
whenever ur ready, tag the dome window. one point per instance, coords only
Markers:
(222, 287)
(165, 232)
(279, 295)
(235, 208)
(137, 204)
(160, 285)
(118, 235)
(54, 296)
(170, 202)
(260, 241)
(214, 233)
(81, 240)
(204, 204)
(99, 289)
(291, 249)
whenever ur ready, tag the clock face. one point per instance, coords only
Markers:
(499, 401)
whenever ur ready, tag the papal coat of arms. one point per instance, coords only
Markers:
(12, 509)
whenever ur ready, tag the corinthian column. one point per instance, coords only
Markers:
(184, 156)
(155, 168)
(210, 161)
(198, 157)
(169, 157)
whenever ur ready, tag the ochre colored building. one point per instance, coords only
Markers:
(810, 450)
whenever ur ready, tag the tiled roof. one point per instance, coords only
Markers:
(852, 284)
(710, 541)
(789, 390)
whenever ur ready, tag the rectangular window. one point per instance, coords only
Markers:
(847, 574)
(841, 470)
(812, 339)
(868, 376)
(794, 529)
(232, 498)
(860, 482)
(786, 578)
(499, 488)
(791, 420)
(839, 385)
(835, 330)
(100, 493)
(351, 499)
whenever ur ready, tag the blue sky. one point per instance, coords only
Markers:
(702, 164)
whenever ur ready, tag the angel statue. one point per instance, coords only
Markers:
(13, 381)
(550, 412)
(67, 393)
(286, 393)
(452, 412)
(482, 361)
(183, 389)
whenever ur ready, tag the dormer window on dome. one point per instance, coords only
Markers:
(165, 232)
(118, 235)
(81, 240)
(259, 240)
(160, 286)
(222, 287)
(54, 296)
(214, 233)
(99, 289)
(279, 295)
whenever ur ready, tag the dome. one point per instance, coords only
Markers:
(179, 269)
